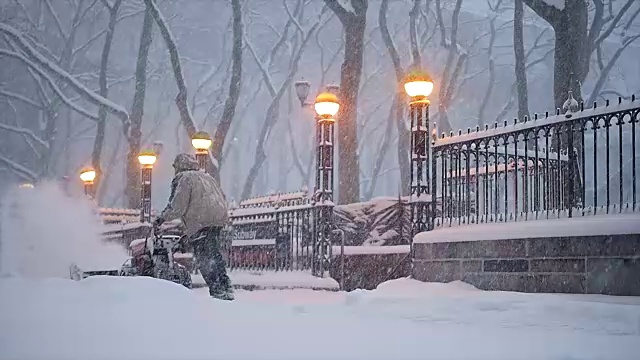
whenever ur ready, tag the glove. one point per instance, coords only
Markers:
(157, 222)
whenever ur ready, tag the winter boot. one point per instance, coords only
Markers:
(222, 295)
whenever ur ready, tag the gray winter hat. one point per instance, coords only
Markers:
(184, 162)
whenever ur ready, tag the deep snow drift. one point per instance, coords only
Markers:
(143, 318)
(44, 230)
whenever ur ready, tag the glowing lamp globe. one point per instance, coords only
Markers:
(327, 105)
(418, 84)
(88, 175)
(201, 141)
(147, 158)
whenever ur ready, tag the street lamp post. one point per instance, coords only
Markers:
(326, 106)
(146, 159)
(418, 86)
(88, 176)
(201, 141)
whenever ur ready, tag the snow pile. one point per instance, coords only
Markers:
(44, 231)
(577, 226)
(142, 318)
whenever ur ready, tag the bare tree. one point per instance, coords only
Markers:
(273, 111)
(104, 92)
(576, 41)
(234, 87)
(132, 186)
(353, 23)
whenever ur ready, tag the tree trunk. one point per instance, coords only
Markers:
(104, 92)
(518, 49)
(571, 50)
(132, 189)
(234, 88)
(403, 132)
(347, 120)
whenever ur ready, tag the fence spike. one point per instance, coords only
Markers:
(633, 97)
(546, 114)
(451, 133)
(535, 116)
(486, 127)
(595, 104)
(557, 111)
(526, 118)
(477, 128)
(468, 130)
(619, 100)
(459, 131)
(505, 123)
(443, 135)
(607, 103)
(495, 125)
(515, 120)
(581, 105)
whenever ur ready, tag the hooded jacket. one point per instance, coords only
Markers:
(196, 197)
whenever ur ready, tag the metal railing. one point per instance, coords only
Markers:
(583, 162)
(275, 234)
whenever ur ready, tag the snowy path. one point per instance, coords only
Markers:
(126, 318)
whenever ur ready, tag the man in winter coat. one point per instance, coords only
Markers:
(197, 199)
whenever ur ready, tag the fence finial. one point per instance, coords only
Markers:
(633, 97)
(515, 120)
(451, 133)
(495, 125)
(619, 100)
(468, 130)
(526, 118)
(459, 131)
(570, 106)
(477, 128)
(505, 123)
(535, 116)
(486, 127)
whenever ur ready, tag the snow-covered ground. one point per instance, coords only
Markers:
(142, 318)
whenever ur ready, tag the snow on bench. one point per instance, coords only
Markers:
(618, 224)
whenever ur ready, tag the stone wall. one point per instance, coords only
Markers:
(583, 264)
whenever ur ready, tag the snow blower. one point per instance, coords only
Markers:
(152, 256)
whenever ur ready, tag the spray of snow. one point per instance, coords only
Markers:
(44, 231)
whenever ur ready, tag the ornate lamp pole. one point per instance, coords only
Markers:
(88, 175)
(326, 106)
(146, 159)
(201, 141)
(418, 86)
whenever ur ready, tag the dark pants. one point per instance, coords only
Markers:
(206, 249)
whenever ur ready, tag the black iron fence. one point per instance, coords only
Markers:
(583, 162)
(271, 233)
